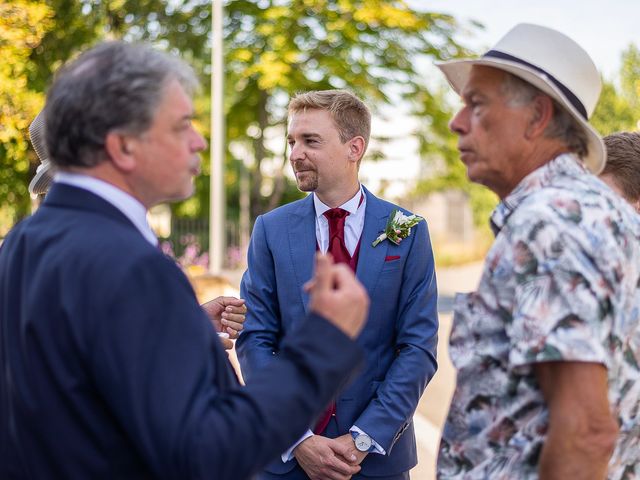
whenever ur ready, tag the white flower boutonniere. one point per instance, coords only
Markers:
(398, 227)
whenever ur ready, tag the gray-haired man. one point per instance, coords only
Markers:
(109, 368)
(547, 348)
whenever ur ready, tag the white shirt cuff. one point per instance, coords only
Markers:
(376, 448)
(288, 455)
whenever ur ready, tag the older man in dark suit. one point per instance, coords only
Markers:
(108, 366)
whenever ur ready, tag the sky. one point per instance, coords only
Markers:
(604, 28)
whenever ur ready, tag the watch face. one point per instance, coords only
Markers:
(363, 443)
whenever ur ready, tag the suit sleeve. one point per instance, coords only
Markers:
(389, 413)
(163, 374)
(259, 341)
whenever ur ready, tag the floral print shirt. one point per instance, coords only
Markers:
(560, 283)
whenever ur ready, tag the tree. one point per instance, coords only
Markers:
(440, 154)
(613, 112)
(22, 26)
(618, 108)
(630, 76)
(276, 48)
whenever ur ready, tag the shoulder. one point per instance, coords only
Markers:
(575, 207)
(101, 249)
(384, 209)
(580, 220)
(299, 207)
(382, 206)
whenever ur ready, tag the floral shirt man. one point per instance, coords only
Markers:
(560, 284)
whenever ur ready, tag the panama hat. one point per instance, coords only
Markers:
(44, 173)
(552, 62)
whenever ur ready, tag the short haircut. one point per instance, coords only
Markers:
(623, 163)
(350, 115)
(115, 86)
(562, 126)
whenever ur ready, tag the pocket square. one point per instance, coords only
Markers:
(391, 258)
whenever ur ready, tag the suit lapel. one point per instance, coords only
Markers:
(371, 259)
(302, 243)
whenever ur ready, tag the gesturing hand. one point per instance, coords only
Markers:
(337, 295)
(227, 315)
(325, 459)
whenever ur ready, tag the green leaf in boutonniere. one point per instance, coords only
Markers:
(398, 227)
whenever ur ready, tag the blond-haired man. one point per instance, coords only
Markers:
(328, 135)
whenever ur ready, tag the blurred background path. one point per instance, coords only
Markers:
(433, 407)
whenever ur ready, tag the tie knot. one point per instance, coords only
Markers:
(336, 214)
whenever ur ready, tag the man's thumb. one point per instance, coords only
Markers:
(344, 451)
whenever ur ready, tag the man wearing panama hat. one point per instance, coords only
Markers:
(547, 348)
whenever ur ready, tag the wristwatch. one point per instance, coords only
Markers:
(362, 441)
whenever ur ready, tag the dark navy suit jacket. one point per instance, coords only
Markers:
(109, 369)
(399, 339)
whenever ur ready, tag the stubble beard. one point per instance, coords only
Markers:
(309, 184)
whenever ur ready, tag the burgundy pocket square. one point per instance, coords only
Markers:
(391, 258)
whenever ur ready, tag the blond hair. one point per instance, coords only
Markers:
(350, 115)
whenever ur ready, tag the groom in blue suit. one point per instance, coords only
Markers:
(328, 134)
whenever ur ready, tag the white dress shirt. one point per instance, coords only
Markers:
(353, 226)
(128, 205)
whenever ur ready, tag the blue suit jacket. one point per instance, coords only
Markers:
(109, 369)
(399, 339)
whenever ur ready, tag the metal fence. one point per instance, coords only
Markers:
(190, 237)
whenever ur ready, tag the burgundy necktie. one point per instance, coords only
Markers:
(337, 249)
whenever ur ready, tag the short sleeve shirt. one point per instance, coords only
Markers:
(560, 283)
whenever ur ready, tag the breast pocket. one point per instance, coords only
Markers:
(392, 263)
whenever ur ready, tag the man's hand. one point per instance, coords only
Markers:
(349, 445)
(337, 295)
(227, 315)
(325, 459)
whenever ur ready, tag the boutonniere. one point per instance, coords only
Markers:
(398, 227)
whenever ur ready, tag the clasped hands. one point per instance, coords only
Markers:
(325, 458)
(227, 314)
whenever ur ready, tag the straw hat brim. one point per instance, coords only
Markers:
(40, 183)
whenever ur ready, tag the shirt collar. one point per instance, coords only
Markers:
(566, 164)
(350, 205)
(127, 204)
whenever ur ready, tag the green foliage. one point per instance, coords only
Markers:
(273, 49)
(22, 26)
(618, 109)
(613, 112)
(276, 48)
(440, 155)
(630, 76)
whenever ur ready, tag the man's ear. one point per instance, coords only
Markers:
(356, 148)
(541, 115)
(120, 150)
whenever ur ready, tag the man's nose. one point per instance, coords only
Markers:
(296, 152)
(460, 122)
(199, 143)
